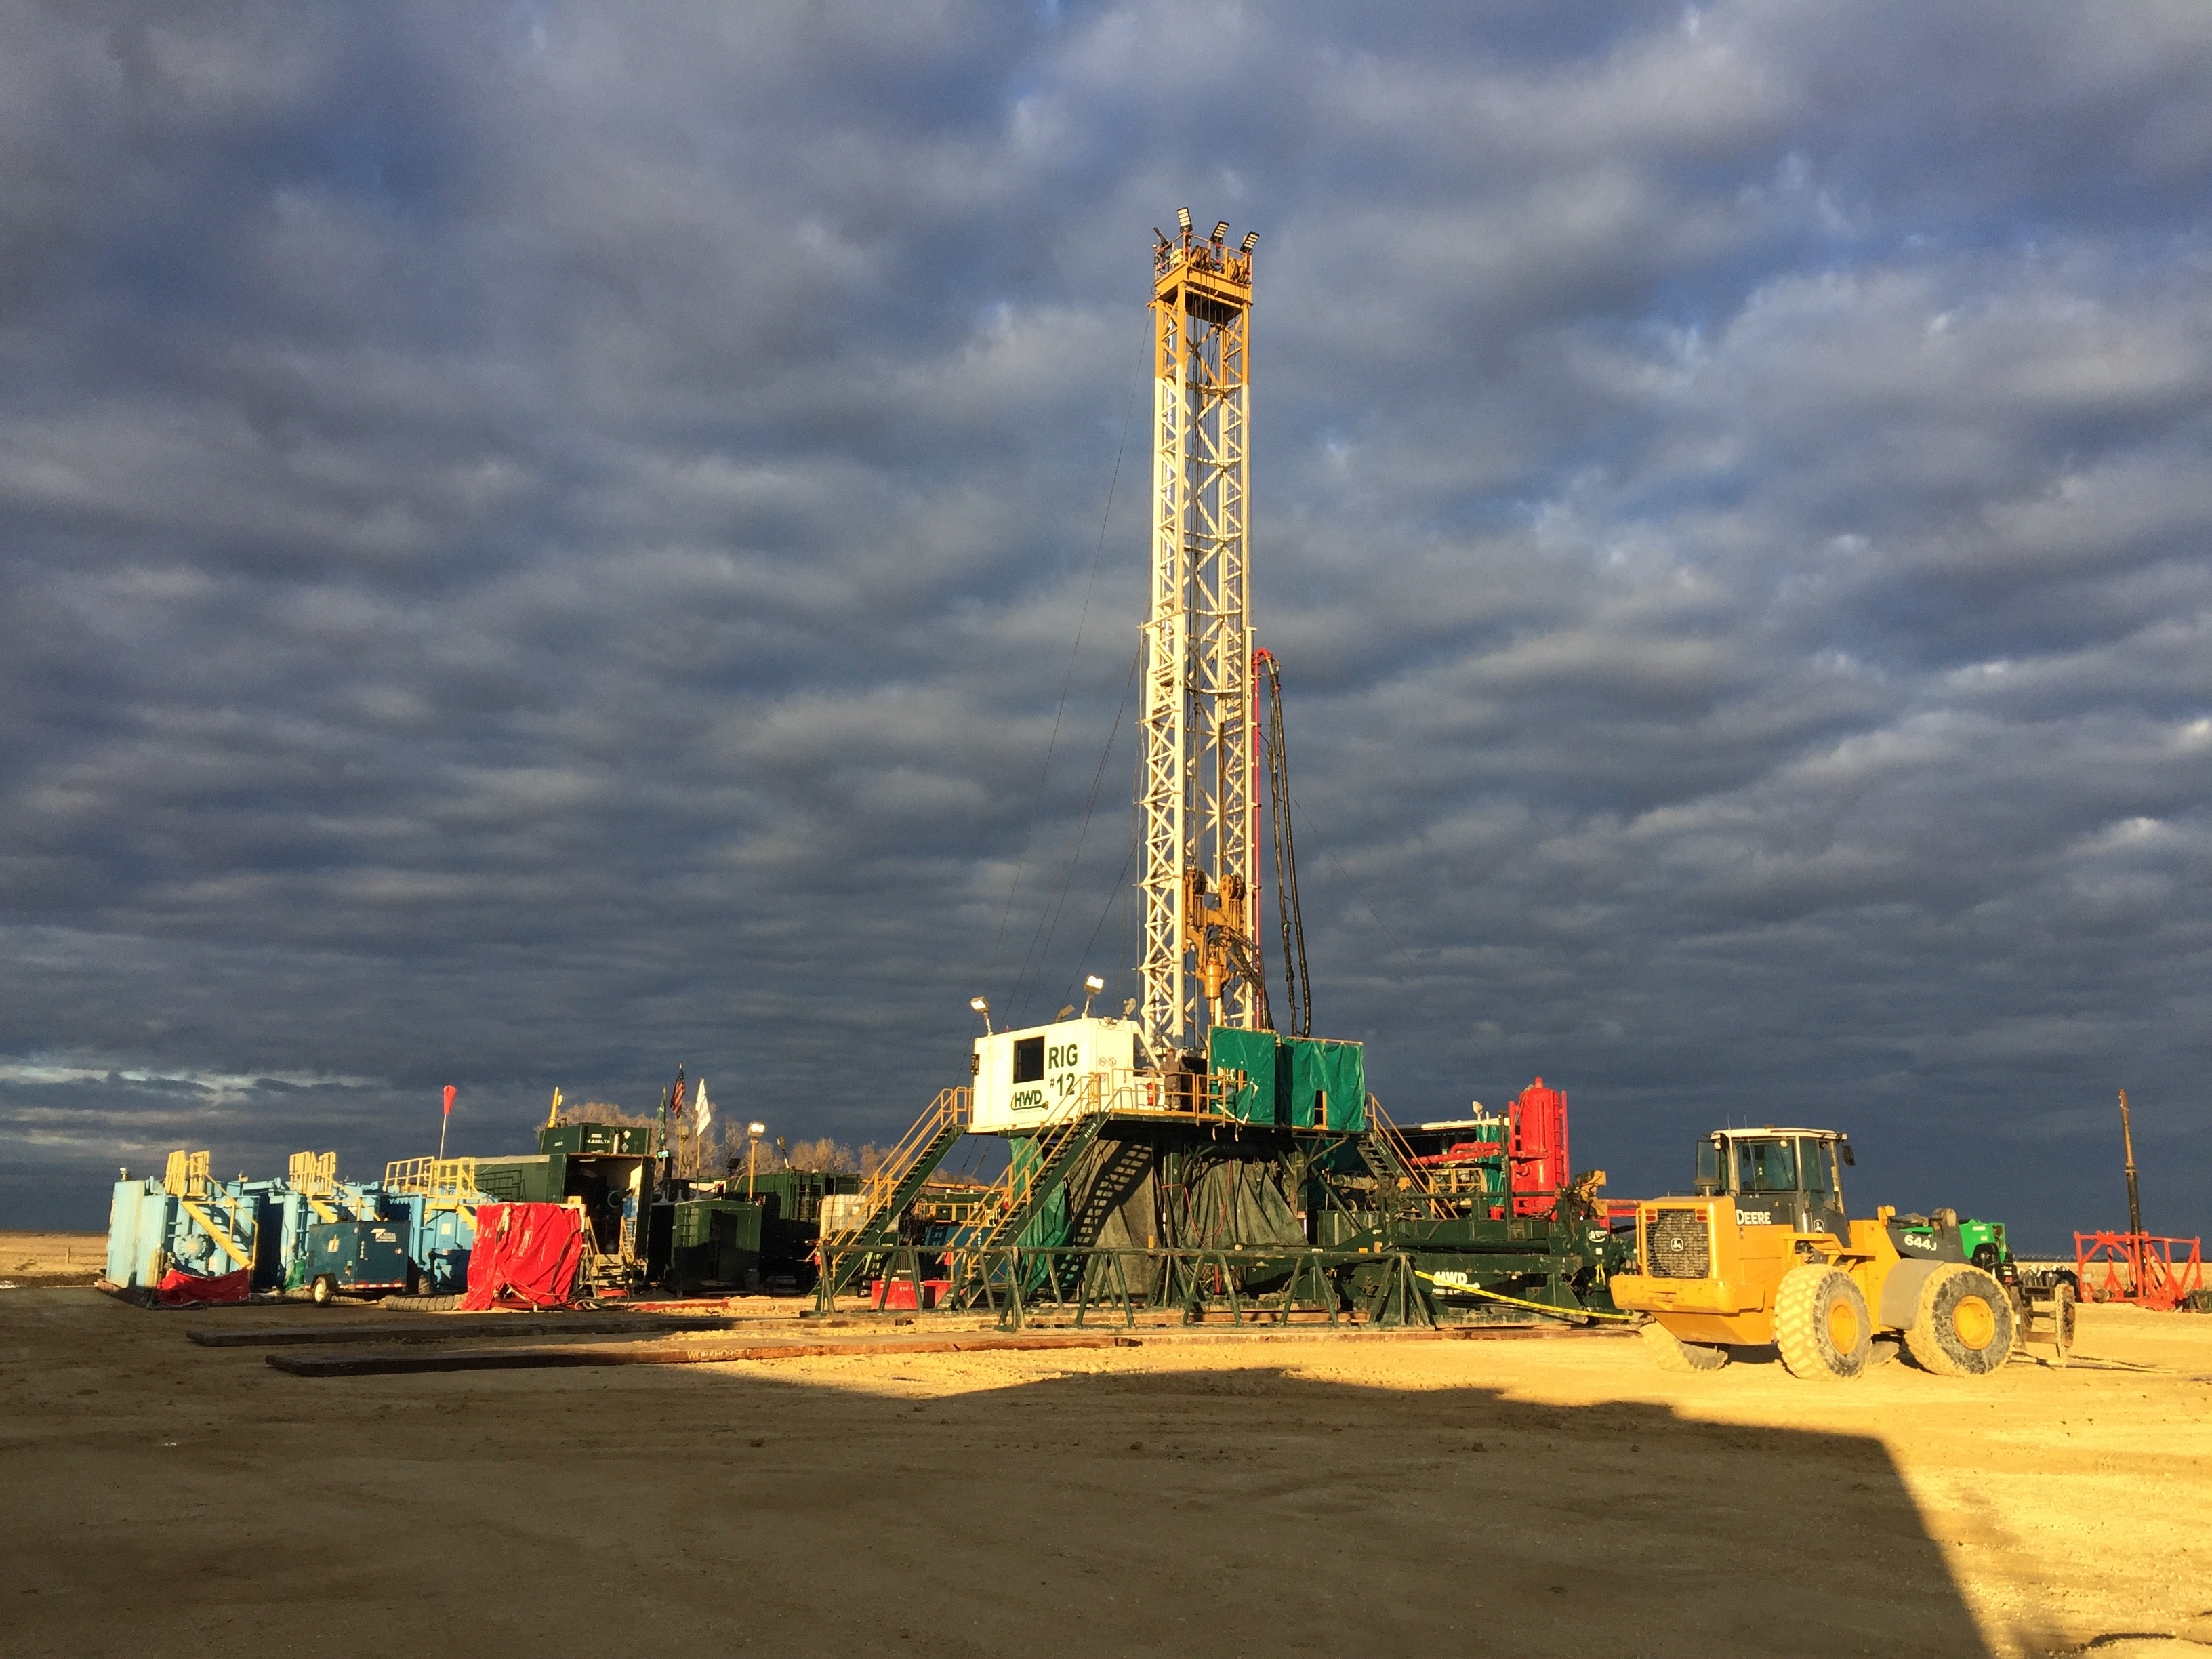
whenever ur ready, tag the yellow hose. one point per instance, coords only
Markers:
(1541, 1307)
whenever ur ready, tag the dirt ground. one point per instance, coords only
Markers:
(1217, 1496)
(52, 1258)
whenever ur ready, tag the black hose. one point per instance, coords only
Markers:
(1297, 982)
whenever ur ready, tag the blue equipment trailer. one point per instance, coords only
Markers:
(358, 1258)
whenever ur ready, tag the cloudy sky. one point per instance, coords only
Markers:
(538, 543)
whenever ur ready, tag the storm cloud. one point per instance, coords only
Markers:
(538, 543)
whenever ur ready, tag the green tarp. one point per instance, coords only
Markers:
(1244, 1070)
(1321, 1084)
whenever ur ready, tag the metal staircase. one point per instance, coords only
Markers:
(1030, 1183)
(186, 1180)
(1402, 1182)
(899, 1179)
(1110, 1189)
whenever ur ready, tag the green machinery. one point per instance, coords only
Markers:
(609, 1171)
(1264, 1181)
(2046, 1296)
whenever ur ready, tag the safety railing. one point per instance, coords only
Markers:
(1028, 1179)
(942, 1120)
(1203, 256)
(445, 1184)
(1410, 1177)
(186, 1179)
(313, 1174)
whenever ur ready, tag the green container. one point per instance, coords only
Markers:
(1321, 1084)
(526, 1180)
(791, 1194)
(1243, 1067)
(601, 1138)
(715, 1241)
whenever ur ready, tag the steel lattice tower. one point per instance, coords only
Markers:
(1195, 743)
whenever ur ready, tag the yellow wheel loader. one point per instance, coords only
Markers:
(1763, 1254)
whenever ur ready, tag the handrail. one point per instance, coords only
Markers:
(453, 1184)
(1018, 1187)
(949, 1112)
(186, 1179)
(446, 1183)
(313, 1174)
(1402, 1153)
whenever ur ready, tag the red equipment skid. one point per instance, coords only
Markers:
(2139, 1268)
(1536, 1148)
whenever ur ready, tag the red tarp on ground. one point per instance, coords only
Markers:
(179, 1289)
(526, 1254)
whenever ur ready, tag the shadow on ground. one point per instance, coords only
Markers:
(1193, 1511)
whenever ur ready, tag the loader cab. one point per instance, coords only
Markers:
(1778, 1178)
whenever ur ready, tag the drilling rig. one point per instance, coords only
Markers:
(1194, 1151)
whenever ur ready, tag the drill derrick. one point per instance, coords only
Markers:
(1198, 884)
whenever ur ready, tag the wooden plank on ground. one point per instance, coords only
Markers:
(720, 1354)
(444, 1327)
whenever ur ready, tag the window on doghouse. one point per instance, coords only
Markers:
(1028, 1059)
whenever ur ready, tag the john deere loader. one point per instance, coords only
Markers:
(1763, 1254)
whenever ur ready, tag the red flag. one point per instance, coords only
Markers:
(450, 1092)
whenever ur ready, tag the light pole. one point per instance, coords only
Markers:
(753, 1133)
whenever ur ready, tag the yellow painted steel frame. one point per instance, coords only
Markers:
(314, 1176)
(946, 1116)
(1194, 735)
(215, 1228)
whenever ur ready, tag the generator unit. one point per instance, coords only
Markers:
(352, 1258)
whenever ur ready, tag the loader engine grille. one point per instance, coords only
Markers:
(1676, 1245)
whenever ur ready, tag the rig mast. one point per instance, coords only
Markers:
(1195, 793)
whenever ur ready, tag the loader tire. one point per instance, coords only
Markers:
(1821, 1325)
(1670, 1353)
(1963, 1326)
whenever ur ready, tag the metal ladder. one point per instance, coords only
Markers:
(897, 1181)
(1108, 1190)
(1058, 1145)
(1391, 1161)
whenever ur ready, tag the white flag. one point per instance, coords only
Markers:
(701, 1113)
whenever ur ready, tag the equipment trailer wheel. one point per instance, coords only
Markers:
(1820, 1323)
(2061, 1316)
(326, 1290)
(1964, 1324)
(1670, 1353)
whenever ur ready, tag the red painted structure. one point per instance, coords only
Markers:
(1536, 1148)
(2142, 1268)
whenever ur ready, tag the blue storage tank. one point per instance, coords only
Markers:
(438, 1241)
(150, 1230)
